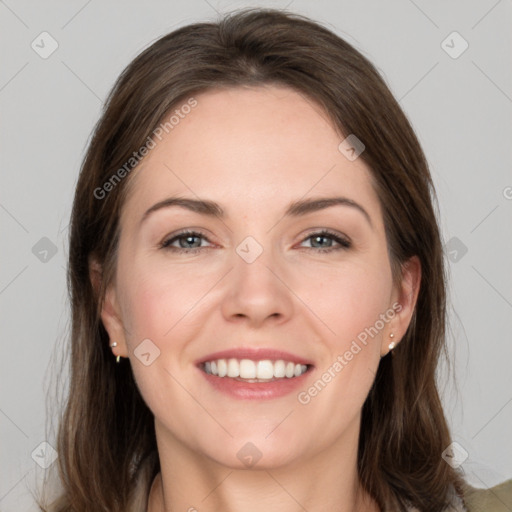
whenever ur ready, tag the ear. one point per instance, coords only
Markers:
(110, 311)
(403, 302)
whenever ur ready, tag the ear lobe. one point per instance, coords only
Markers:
(406, 295)
(110, 311)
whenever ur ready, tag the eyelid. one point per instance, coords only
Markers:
(168, 239)
(327, 231)
(343, 241)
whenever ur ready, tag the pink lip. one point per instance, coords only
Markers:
(255, 390)
(255, 354)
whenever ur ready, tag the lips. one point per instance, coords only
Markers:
(250, 373)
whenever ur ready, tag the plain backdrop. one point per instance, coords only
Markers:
(448, 63)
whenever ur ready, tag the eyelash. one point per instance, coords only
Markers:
(343, 242)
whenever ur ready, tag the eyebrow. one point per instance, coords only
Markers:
(294, 209)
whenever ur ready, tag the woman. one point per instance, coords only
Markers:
(257, 284)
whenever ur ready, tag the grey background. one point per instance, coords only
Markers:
(460, 107)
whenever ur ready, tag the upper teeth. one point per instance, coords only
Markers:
(248, 369)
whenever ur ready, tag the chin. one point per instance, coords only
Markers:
(255, 452)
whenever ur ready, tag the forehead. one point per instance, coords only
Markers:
(250, 149)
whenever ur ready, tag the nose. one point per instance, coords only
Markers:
(257, 292)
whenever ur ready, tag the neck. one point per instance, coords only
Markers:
(191, 482)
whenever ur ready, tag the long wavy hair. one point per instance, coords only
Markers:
(106, 441)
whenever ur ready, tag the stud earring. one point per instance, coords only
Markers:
(391, 346)
(118, 358)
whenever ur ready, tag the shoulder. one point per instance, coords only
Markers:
(493, 499)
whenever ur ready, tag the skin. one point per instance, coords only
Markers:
(254, 150)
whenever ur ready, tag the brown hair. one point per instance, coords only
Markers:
(106, 442)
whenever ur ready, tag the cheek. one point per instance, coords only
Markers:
(352, 305)
(159, 307)
(349, 300)
(160, 300)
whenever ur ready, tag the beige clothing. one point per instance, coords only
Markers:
(494, 499)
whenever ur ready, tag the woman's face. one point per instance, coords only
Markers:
(255, 281)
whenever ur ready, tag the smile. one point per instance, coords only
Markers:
(250, 373)
(247, 370)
